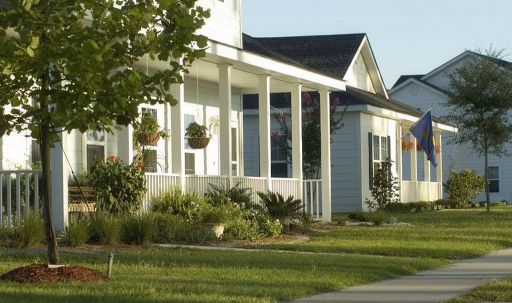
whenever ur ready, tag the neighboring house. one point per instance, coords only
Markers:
(430, 90)
(372, 125)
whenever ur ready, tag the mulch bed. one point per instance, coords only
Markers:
(37, 273)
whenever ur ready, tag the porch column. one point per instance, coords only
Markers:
(325, 135)
(297, 137)
(60, 176)
(264, 129)
(439, 168)
(178, 134)
(125, 143)
(225, 121)
(399, 157)
(426, 169)
(167, 142)
(414, 167)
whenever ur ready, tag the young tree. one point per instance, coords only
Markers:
(70, 64)
(311, 152)
(480, 101)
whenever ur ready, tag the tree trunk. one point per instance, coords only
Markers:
(486, 174)
(51, 238)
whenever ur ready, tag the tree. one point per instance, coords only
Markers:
(311, 152)
(69, 64)
(463, 186)
(480, 101)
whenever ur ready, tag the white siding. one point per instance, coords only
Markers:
(358, 76)
(224, 25)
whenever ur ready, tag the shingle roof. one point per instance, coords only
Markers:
(330, 55)
(404, 78)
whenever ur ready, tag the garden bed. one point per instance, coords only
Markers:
(38, 273)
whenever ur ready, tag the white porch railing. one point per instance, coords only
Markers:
(156, 184)
(312, 197)
(285, 186)
(255, 183)
(200, 184)
(413, 191)
(19, 192)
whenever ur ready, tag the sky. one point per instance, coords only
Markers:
(407, 36)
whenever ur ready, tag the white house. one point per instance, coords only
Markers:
(430, 90)
(373, 123)
(212, 96)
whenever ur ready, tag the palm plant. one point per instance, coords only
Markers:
(280, 208)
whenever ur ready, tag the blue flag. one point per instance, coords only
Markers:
(422, 130)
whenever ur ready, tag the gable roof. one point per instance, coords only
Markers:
(404, 78)
(330, 55)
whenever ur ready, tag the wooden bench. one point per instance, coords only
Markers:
(81, 199)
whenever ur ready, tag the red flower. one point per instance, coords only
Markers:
(139, 164)
(112, 158)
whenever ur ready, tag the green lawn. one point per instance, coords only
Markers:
(495, 291)
(181, 275)
(357, 255)
(449, 234)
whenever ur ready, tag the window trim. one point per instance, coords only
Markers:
(86, 142)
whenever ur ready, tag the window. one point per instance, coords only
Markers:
(279, 157)
(494, 179)
(150, 152)
(95, 142)
(187, 119)
(190, 163)
(234, 151)
(35, 152)
(380, 151)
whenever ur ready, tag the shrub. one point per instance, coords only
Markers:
(378, 218)
(223, 195)
(138, 229)
(463, 186)
(385, 187)
(163, 233)
(279, 208)
(242, 229)
(104, 229)
(77, 233)
(31, 231)
(177, 202)
(215, 215)
(119, 187)
(358, 217)
(182, 230)
(408, 207)
(10, 236)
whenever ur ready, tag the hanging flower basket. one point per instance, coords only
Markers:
(148, 138)
(198, 143)
(407, 145)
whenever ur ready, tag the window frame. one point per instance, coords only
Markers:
(381, 158)
(86, 142)
(494, 180)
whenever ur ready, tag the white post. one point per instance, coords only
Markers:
(297, 137)
(264, 129)
(125, 143)
(414, 167)
(60, 175)
(439, 169)
(225, 120)
(426, 169)
(167, 142)
(399, 157)
(178, 134)
(325, 134)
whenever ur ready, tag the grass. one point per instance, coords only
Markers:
(495, 291)
(181, 275)
(445, 235)
(340, 258)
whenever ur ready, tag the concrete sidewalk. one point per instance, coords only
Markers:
(426, 287)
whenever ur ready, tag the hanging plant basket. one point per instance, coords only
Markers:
(198, 143)
(148, 138)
